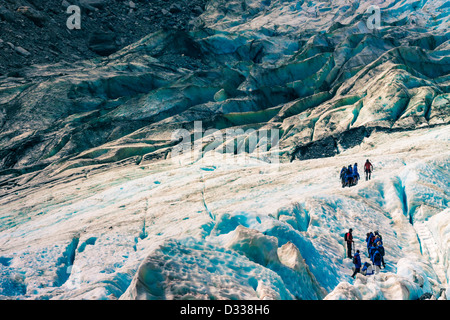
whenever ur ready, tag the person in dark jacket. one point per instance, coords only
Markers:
(381, 250)
(350, 175)
(343, 176)
(355, 174)
(368, 168)
(357, 263)
(369, 241)
(379, 238)
(372, 250)
(349, 240)
(376, 259)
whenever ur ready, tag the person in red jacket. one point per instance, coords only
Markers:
(368, 168)
(349, 239)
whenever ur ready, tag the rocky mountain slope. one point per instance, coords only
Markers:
(255, 65)
(35, 32)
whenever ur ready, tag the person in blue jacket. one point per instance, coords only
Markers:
(376, 259)
(372, 250)
(369, 241)
(349, 176)
(357, 263)
(355, 174)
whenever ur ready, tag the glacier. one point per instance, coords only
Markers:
(164, 231)
(96, 204)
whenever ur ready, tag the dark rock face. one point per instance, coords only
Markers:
(319, 149)
(103, 43)
(39, 27)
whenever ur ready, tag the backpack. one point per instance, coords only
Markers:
(377, 256)
(367, 269)
(366, 266)
(346, 236)
(355, 260)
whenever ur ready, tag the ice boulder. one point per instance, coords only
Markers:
(290, 256)
(192, 269)
(344, 291)
(256, 246)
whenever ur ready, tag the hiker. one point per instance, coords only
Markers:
(355, 174)
(357, 263)
(376, 259)
(343, 176)
(376, 239)
(369, 241)
(368, 168)
(372, 250)
(350, 175)
(349, 239)
(379, 236)
(381, 250)
(379, 240)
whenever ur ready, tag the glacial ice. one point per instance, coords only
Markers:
(120, 233)
(94, 205)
